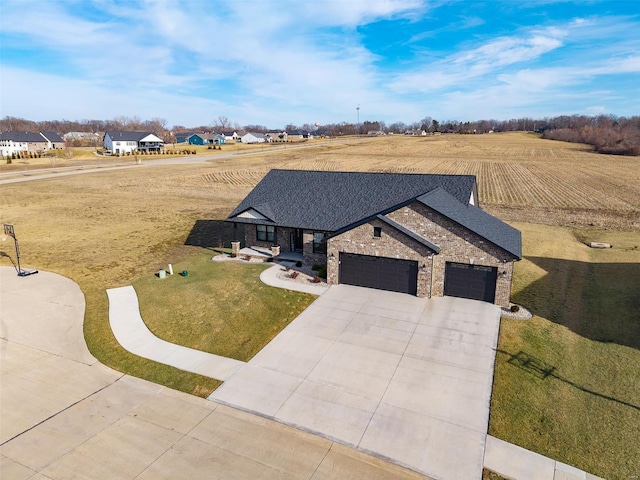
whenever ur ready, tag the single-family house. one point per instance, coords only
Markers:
(127, 142)
(13, 142)
(183, 136)
(253, 137)
(88, 137)
(296, 134)
(231, 136)
(278, 135)
(420, 234)
(54, 140)
(206, 139)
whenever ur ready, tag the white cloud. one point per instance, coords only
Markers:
(262, 62)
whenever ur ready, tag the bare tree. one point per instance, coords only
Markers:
(223, 123)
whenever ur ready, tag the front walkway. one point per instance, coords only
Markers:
(132, 333)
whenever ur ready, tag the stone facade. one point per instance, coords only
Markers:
(391, 244)
(457, 244)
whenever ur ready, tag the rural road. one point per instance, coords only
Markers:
(45, 173)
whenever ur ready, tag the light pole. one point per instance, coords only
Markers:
(358, 124)
(10, 232)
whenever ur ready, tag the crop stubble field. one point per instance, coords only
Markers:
(105, 229)
(520, 177)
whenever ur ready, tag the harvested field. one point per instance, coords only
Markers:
(546, 181)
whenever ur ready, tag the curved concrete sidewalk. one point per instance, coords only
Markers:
(132, 333)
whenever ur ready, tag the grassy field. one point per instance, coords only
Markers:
(566, 382)
(118, 227)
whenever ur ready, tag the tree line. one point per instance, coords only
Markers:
(606, 133)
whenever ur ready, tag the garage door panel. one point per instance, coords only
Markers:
(477, 282)
(379, 272)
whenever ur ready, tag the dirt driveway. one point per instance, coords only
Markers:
(405, 378)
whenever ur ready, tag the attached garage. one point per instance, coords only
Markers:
(379, 272)
(477, 282)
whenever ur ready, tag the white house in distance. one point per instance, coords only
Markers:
(18, 142)
(127, 142)
(255, 138)
(230, 136)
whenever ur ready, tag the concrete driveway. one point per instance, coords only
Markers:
(63, 415)
(405, 378)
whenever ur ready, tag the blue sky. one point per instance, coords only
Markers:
(289, 61)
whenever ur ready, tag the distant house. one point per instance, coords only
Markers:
(183, 137)
(54, 140)
(230, 136)
(306, 134)
(18, 142)
(206, 139)
(86, 136)
(128, 142)
(253, 137)
(278, 135)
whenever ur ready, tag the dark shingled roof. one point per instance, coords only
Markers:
(339, 201)
(29, 137)
(52, 136)
(476, 220)
(328, 201)
(128, 136)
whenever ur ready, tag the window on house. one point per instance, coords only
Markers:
(266, 233)
(377, 231)
(319, 245)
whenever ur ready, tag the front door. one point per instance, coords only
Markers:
(295, 240)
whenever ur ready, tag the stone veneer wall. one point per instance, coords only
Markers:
(391, 244)
(457, 244)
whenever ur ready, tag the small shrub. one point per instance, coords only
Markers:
(322, 272)
(286, 269)
(316, 279)
(246, 257)
(294, 274)
(9, 161)
(315, 267)
(298, 264)
(515, 308)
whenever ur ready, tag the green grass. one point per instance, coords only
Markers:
(220, 307)
(567, 382)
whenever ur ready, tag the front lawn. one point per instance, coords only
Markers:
(220, 307)
(567, 382)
